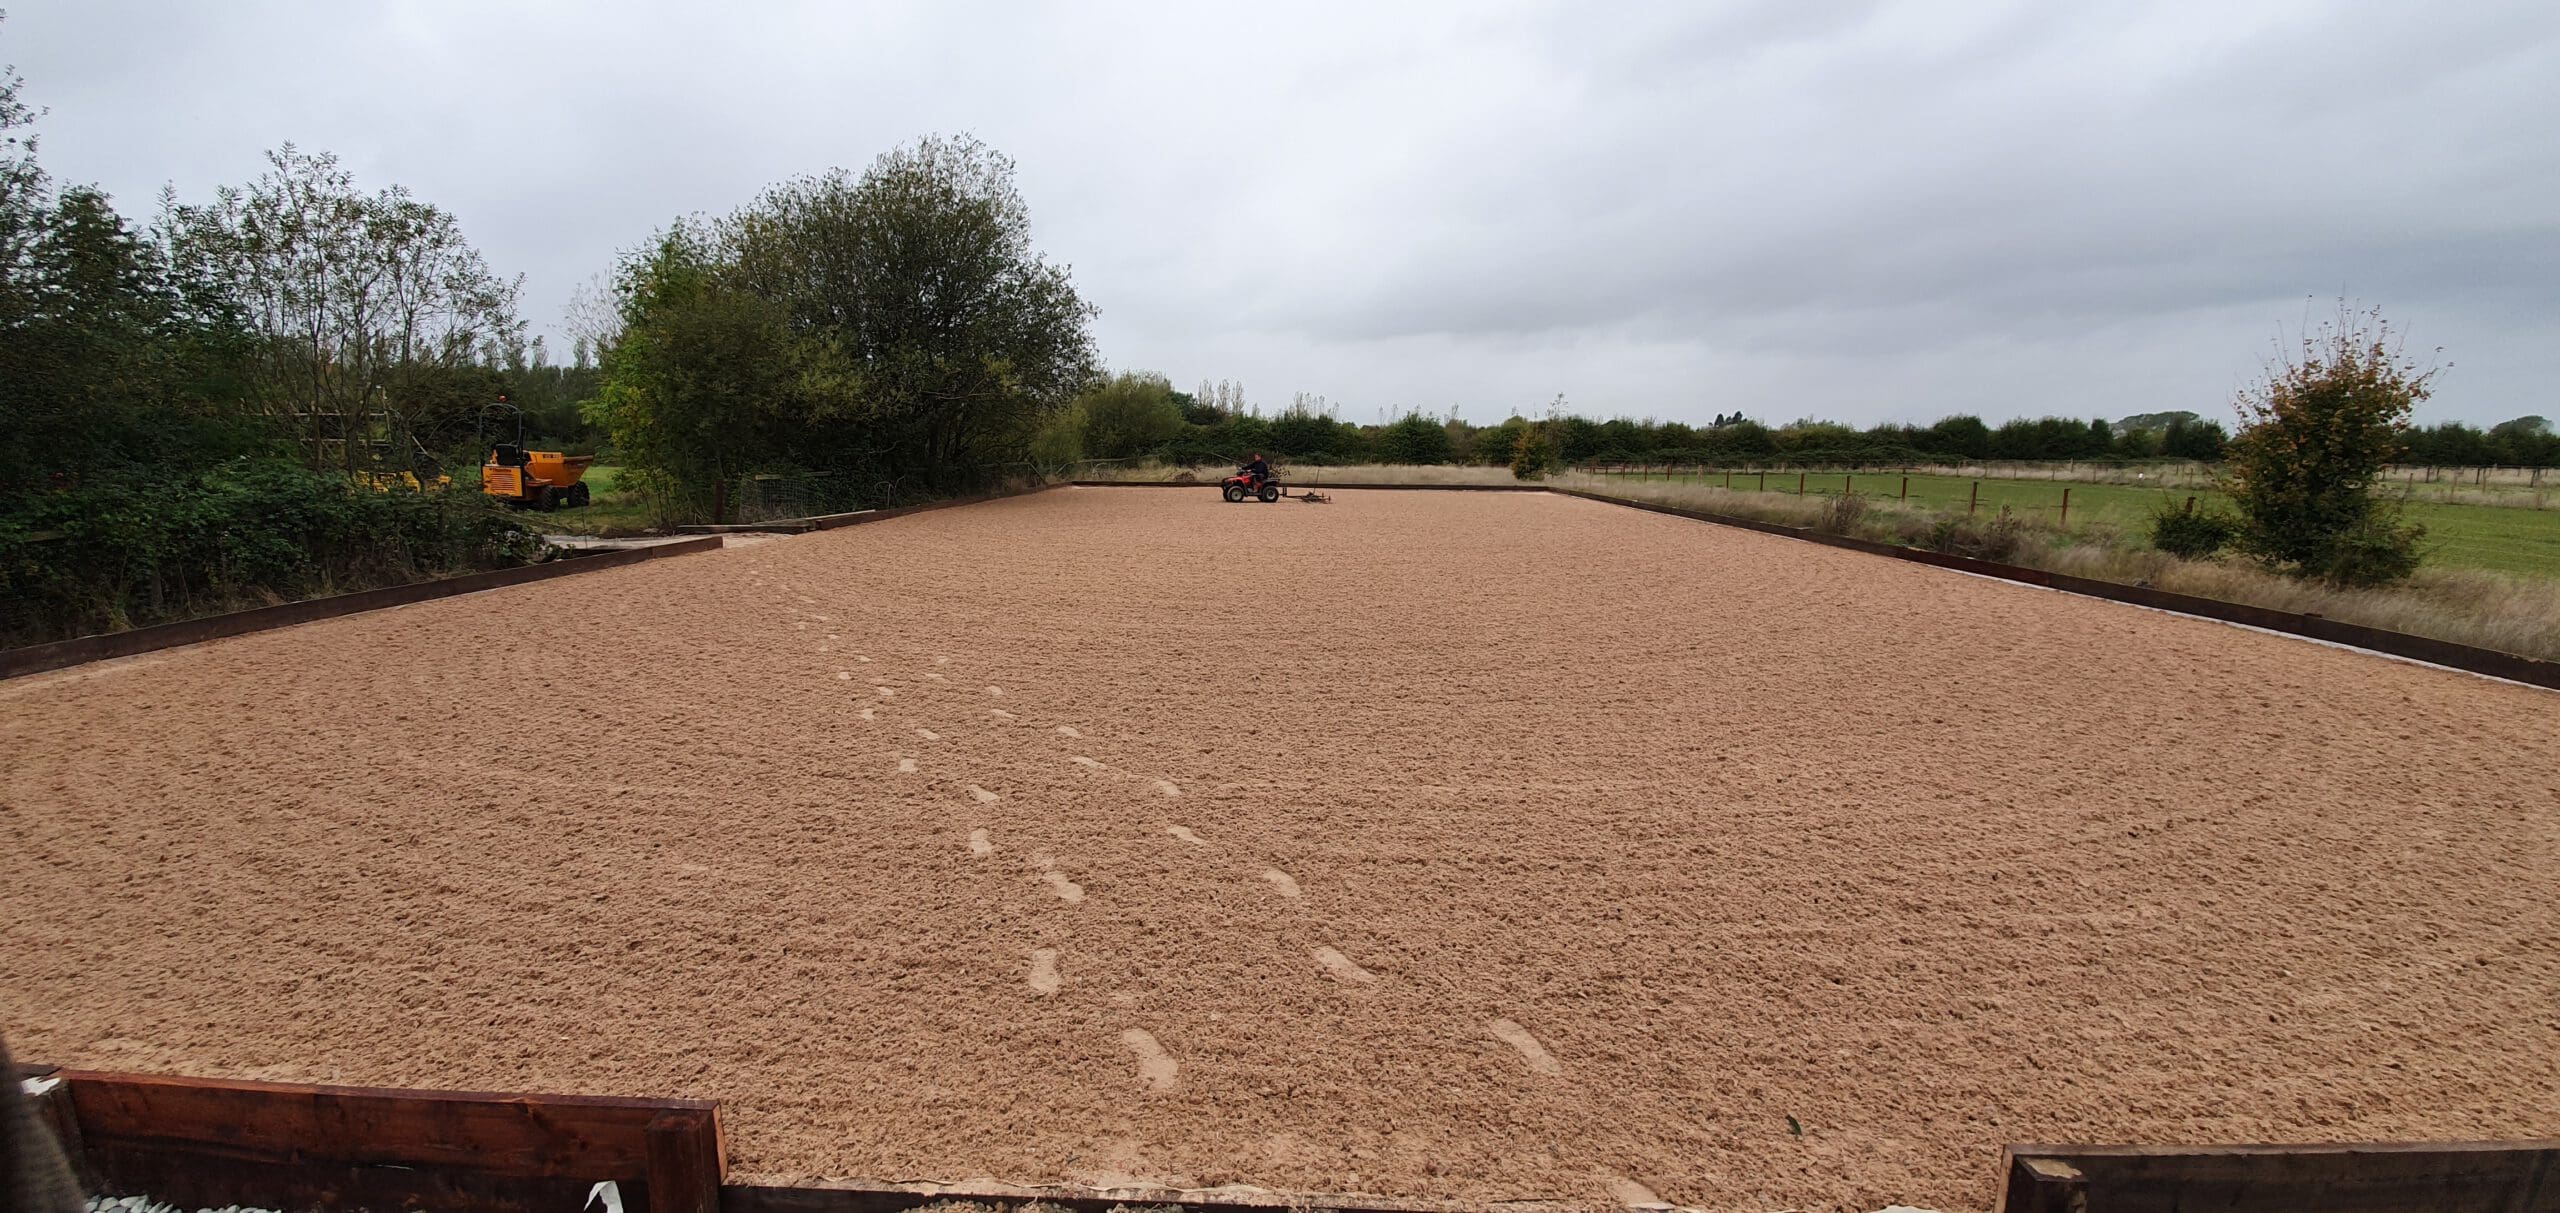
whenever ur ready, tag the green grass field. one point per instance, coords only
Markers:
(611, 513)
(2506, 539)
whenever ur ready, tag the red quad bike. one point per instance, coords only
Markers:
(1245, 484)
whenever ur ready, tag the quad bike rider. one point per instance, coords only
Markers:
(1254, 480)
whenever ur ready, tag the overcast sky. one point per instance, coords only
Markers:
(1866, 211)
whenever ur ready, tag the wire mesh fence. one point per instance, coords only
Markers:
(2052, 493)
(768, 496)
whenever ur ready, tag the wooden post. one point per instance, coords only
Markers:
(1975, 502)
(1728, 479)
(1906, 488)
(1799, 484)
(2066, 506)
(684, 1163)
(2044, 1185)
(2191, 504)
(1764, 480)
(1845, 490)
(53, 1107)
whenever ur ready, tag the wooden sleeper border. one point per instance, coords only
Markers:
(2393, 1177)
(211, 1142)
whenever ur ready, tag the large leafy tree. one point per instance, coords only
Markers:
(896, 325)
(365, 308)
(104, 374)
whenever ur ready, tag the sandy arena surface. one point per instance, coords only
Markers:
(1434, 844)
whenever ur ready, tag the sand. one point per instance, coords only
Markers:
(1446, 845)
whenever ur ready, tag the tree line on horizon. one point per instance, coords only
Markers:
(1140, 415)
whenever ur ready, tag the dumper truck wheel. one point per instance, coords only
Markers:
(577, 494)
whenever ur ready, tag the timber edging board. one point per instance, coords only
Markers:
(207, 1142)
(2436, 1177)
(204, 1143)
(857, 1197)
(38, 658)
(210, 1142)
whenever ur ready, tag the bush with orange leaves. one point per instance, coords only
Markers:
(2316, 434)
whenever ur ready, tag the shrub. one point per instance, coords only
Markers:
(1997, 540)
(2320, 428)
(1122, 417)
(2185, 532)
(2378, 550)
(1530, 456)
(139, 550)
(1840, 514)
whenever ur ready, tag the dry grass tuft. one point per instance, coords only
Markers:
(2467, 606)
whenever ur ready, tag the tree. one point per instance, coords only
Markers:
(1129, 415)
(1531, 451)
(1499, 445)
(895, 327)
(1305, 430)
(947, 339)
(1414, 438)
(104, 374)
(704, 381)
(2190, 437)
(2526, 441)
(2316, 432)
(1962, 436)
(2102, 436)
(357, 303)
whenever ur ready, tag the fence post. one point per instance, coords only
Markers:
(2066, 506)
(1728, 480)
(1975, 502)
(1845, 488)
(2191, 504)
(1764, 480)
(1800, 484)
(1906, 488)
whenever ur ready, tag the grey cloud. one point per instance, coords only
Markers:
(1869, 210)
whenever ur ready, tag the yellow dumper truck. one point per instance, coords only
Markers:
(541, 480)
